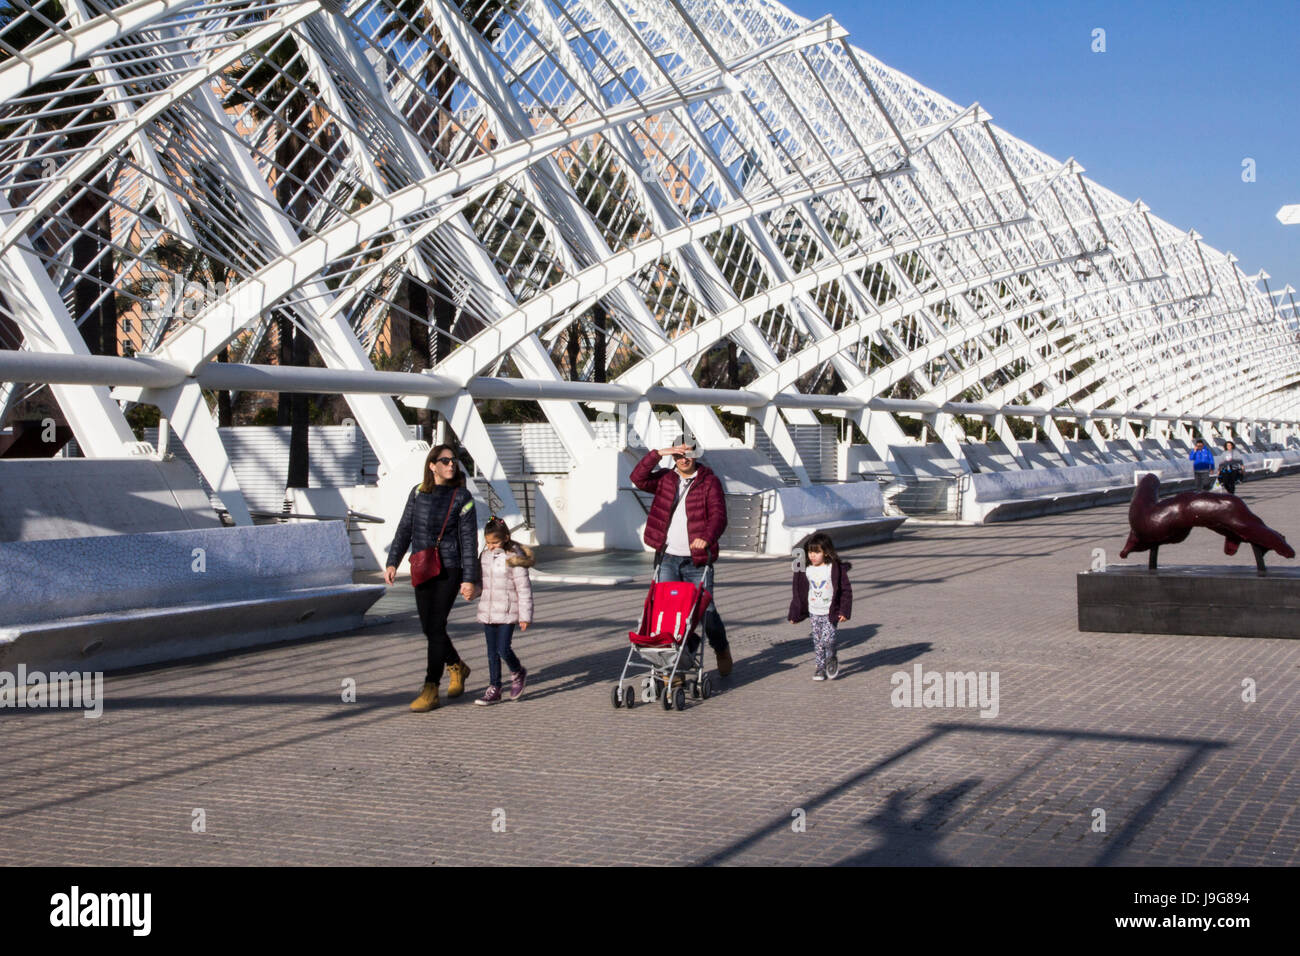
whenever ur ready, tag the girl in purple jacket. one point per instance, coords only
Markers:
(822, 592)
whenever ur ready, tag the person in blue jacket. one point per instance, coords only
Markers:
(1202, 466)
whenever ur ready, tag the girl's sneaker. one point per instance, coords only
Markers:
(517, 682)
(491, 696)
(819, 674)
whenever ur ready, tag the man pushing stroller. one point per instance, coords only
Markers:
(686, 520)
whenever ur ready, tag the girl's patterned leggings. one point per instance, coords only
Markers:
(823, 637)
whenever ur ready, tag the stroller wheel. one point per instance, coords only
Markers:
(667, 699)
(615, 697)
(629, 697)
(706, 688)
(695, 689)
(679, 698)
(832, 667)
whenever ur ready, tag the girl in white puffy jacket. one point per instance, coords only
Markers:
(506, 600)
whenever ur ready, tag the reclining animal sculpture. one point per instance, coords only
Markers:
(1154, 522)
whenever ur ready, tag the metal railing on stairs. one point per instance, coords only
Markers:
(746, 518)
(918, 496)
(525, 492)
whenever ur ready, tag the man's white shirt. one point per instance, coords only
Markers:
(679, 541)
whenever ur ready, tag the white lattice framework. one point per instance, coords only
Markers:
(704, 202)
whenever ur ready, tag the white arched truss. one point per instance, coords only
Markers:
(639, 195)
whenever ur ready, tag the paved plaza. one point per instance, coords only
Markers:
(775, 769)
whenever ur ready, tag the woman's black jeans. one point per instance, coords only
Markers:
(434, 599)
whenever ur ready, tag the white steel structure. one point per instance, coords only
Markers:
(700, 203)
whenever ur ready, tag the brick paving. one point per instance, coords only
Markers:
(1150, 729)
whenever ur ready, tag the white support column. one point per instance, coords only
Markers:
(949, 434)
(1053, 433)
(1003, 429)
(1091, 428)
(1127, 436)
(97, 421)
(1159, 430)
(188, 415)
(642, 425)
(882, 433)
(769, 419)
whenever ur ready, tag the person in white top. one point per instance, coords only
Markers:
(684, 525)
(822, 594)
(1232, 468)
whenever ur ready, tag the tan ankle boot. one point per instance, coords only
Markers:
(427, 701)
(456, 675)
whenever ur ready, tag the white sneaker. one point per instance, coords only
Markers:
(819, 674)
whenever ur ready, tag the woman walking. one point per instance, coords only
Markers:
(440, 527)
(1232, 468)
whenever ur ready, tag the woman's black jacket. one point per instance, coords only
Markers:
(422, 520)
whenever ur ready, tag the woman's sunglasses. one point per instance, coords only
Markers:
(444, 460)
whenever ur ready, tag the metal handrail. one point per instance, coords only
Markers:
(351, 516)
(765, 496)
(496, 504)
(637, 493)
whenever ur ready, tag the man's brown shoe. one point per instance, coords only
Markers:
(427, 701)
(456, 675)
(724, 662)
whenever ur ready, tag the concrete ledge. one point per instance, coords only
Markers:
(69, 577)
(1009, 495)
(1042, 499)
(1056, 504)
(847, 534)
(117, 601)
(1229, 601)
(853, 513)
(596, 580)
(104, 642)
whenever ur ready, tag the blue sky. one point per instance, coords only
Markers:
(1183, 94)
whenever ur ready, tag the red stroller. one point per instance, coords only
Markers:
(672, 609)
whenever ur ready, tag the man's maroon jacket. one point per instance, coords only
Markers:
(705, 504)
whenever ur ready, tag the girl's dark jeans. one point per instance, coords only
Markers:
(498, 645)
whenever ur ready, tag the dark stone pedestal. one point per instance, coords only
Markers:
(1229, 601)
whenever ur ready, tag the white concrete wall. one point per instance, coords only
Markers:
(585, 509)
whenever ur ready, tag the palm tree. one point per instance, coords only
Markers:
(188, 264)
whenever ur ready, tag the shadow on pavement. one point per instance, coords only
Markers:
(912, 840)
